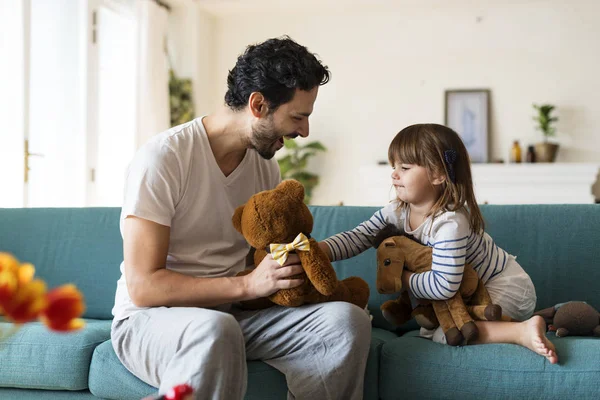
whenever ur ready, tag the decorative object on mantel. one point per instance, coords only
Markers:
(545, 151)
(293, 164)
(467, 112)
(515, 152)
(530, 157)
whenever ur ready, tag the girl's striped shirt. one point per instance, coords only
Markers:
(450, 236)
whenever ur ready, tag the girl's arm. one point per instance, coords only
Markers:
(326, 250)
(351, 243)
(449, 241)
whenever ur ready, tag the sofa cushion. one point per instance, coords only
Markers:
(378, 338)
(39, 394)
(557, 244)
(78, 245)
(413, 367)
(40, 359)
(109, 379)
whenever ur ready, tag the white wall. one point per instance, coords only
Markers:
(391, 65)
(191, 52)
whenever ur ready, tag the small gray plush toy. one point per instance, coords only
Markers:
(573, 318)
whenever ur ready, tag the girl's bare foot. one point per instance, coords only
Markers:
(533, 336)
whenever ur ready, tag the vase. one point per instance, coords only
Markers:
(545, 152)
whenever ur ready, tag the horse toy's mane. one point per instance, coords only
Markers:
(389, 231)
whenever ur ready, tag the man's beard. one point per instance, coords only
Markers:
(264, 136)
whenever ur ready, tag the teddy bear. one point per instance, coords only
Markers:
(573, 318)
(277, 221)
(456, 316)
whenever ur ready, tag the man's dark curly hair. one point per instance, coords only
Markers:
(275, 68)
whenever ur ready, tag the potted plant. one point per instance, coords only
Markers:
(180, 99)
(545, 151)
(293, 164)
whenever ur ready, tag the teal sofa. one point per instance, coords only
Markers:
(557, 244)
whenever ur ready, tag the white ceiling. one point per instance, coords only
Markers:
(224, 7)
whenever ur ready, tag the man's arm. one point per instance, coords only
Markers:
(150, 284)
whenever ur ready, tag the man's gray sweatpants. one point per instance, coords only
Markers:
(321, 348)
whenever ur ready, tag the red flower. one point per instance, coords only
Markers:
(27, 302)
(24, 299)
(179, 392)
(8, 278)
(8, 286)
(64, 307)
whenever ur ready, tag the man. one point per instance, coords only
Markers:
(175, 315)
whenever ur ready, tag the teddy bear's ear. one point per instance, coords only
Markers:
(292, 188)
(237, 218)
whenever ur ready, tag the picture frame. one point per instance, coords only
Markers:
(467, 111)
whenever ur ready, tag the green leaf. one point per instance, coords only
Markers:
(290, 144)
(304, 158)
(285, 159)
(293, 164)
(180, 99)
(544, 119)
(285, 165)
(316, 146)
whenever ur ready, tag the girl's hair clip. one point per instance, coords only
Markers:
(450, 157)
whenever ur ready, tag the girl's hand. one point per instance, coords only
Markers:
(406, 279)
(406, 286)
(323, 246)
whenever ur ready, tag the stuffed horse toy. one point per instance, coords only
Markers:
(396, 251)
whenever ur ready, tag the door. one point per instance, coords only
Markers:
(67, 113)
(42, 131)
(112, 101)
(56, 104)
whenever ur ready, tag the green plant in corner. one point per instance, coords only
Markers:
(180, 99)
(545, 120)
(293, 165)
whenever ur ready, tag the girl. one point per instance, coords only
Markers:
(436, 204)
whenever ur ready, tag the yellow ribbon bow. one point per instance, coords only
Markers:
(280, 251)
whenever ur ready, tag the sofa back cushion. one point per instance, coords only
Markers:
(556, 244)
(78, 245)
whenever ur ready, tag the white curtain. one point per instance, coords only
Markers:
(153, 111)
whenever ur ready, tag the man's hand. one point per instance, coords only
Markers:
(268, 277)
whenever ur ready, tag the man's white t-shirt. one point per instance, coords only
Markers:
(174, 180)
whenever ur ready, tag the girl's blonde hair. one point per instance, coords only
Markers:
(441, 151)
